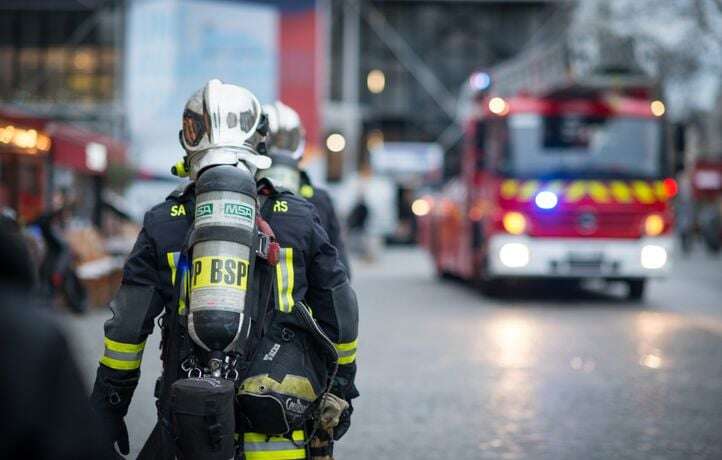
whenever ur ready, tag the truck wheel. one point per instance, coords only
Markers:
(636, 289)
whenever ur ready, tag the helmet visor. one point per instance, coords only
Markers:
(195, 126)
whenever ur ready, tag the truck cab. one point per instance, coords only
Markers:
(573, 185)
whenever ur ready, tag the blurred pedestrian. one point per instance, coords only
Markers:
(56, 273)
(357, 223)
(45, 410)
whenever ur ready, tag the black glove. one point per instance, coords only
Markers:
(111, 397)
(344, 423)
(116, 429)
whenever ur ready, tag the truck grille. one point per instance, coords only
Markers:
(586, 223)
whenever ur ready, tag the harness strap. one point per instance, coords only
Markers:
(268, 247)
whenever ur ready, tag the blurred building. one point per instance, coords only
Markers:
(124, 68)
(366, 70)
(395, 71)
(396, 67)
(60, 119)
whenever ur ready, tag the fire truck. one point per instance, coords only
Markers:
(565, 174)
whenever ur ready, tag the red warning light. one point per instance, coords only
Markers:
(670, 187)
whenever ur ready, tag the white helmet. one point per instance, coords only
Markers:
(285, 131)
(223, 124)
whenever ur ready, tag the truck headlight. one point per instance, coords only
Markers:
(653, 257)
(514, 255)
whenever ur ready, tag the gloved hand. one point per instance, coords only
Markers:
(110, 399)
(344, 422)
(117, 430)
(330, 411)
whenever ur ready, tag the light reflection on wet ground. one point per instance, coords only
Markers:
(540, 374)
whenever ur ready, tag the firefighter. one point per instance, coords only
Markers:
(286, 142)
(309, 271)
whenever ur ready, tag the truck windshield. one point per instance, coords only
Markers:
(583, 146)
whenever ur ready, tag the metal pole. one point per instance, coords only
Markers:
(350, 80)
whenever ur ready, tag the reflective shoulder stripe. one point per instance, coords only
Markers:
(122, 356)
(284, 280)
(346, 352)
(182, 296)
(173, 264)
(258, 446)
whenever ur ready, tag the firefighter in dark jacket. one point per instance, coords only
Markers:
(309, 270)
(286, 143)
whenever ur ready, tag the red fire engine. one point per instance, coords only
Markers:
(565, 174)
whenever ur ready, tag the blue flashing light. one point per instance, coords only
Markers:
(546, 200)
(480, 81)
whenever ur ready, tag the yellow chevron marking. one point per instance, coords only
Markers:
(643, 192)
(509, 189)
(528, 189)
(660, 191)
(620, 191)
(576, 191)
(598, 192)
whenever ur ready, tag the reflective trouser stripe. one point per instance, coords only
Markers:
(258, 446)
(122, 356)
(284, 280)
(346, 352)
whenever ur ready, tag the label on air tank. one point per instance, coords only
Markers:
(225, 208)
(219, 271)
(218, 283)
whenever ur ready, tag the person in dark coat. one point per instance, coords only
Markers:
(45, 409)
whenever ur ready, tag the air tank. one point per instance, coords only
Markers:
(222, 248)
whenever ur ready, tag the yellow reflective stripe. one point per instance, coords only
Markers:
(346, 351)
(171, 263)
(509, 189)
(123, 347)
(343, 360)
(346, 346)
(119, 364)
(279, 282)
(286, 454)
(284, 280)
(620, 191)
(258, 446)
(289, 269)
(183, 292)
(122, 356)
(297, 435)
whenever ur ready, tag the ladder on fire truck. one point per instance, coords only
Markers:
(571, 61)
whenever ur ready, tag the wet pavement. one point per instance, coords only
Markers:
(540, 373)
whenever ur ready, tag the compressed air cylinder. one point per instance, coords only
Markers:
(222, 249)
